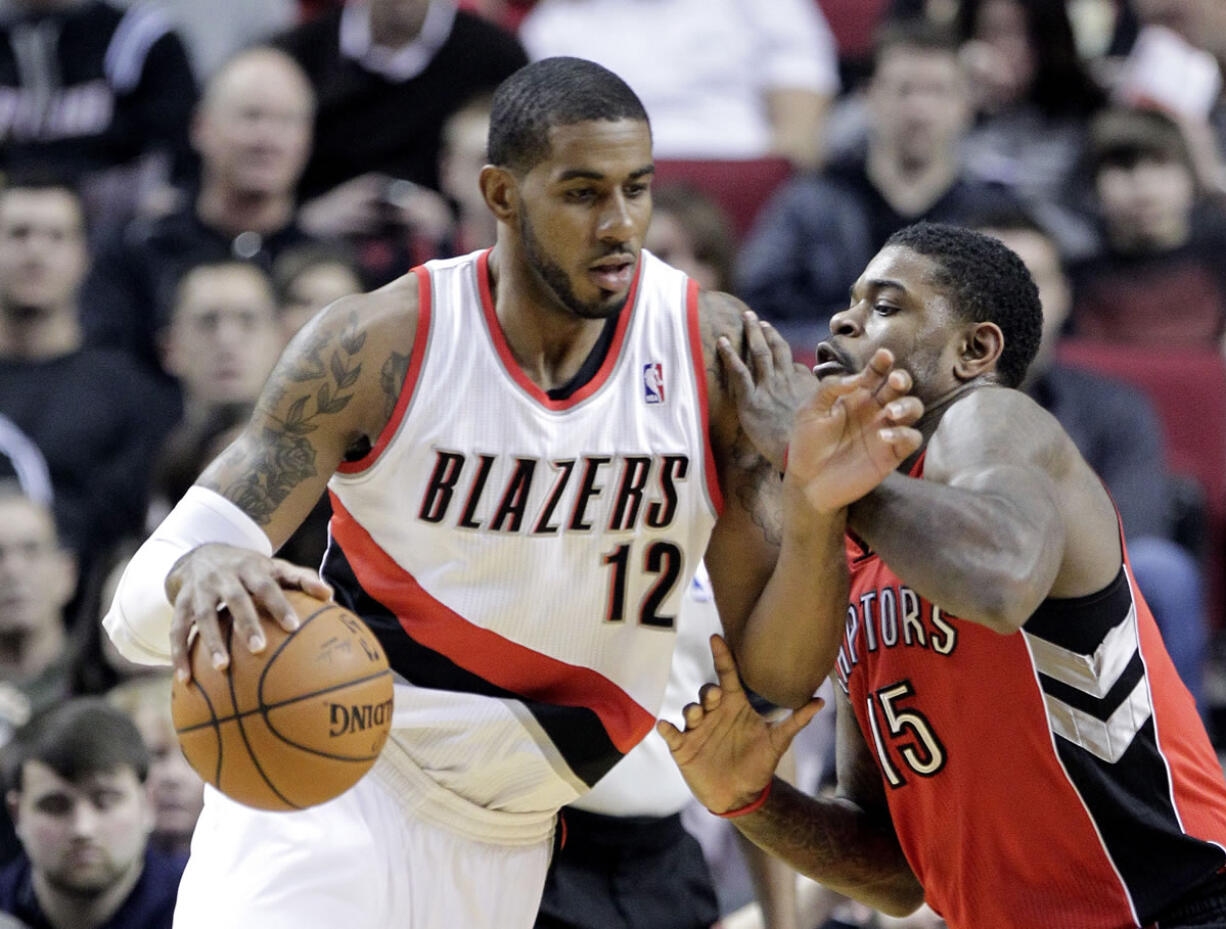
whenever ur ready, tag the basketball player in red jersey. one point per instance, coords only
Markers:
(529, 449)
(1014, 744)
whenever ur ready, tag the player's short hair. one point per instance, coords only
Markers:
(75, 739)
(986, 282)
(553, 92)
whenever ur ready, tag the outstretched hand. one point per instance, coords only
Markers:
(854, 432)
(769, 389)
(728, 752)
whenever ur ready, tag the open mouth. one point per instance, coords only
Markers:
(831, 362)
(612, 274)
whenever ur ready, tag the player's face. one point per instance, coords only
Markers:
(584, 211)
(896, 304)
(83, 836)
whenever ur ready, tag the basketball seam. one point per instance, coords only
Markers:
(283, 703)
(238, 720)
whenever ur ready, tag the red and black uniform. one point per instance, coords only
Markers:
(1057, 777)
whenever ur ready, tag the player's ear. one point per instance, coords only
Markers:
(979, 350)
(500, 188)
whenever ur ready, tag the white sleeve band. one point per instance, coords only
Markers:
(138, 621)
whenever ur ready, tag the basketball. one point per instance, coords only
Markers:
(295, 725)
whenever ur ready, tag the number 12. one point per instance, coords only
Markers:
(662, 558)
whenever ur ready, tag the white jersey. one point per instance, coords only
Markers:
(522, 558)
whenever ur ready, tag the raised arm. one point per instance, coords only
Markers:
(776, 559)
(1019, 515)
(329, 397)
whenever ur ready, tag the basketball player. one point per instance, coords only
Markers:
(529, 449)
(1014, 744)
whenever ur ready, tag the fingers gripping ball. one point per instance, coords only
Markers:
(295, 725)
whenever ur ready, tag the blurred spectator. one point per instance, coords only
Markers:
(77, 796)
(22, 464)
(1117, 431)
(1033, 97)
(252, 131)
(388, 73)
(99, 95)
(215, 31)
(691, 232)
(721, 79)
(37, 579)
(1161, 278)
(814, 234)
(309, 278)
(223, 336)
(175, 789)
(95, 420)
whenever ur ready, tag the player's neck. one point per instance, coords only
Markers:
(548, 343)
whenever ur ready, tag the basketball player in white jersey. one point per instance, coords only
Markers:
(529, 450)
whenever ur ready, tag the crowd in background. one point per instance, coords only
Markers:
(185, 184)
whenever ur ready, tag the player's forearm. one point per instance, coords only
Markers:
(836, 843)
(985, 561)
(792, 637)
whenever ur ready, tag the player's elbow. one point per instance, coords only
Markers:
(902, 902)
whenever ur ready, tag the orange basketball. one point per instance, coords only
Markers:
(295, 725)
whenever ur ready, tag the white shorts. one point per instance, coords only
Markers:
(357, 862)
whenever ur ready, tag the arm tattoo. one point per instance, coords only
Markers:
(286, 456)
(391, 378)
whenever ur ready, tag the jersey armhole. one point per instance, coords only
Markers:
(714, 494)
(420, 339)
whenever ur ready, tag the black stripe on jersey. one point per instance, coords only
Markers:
(1098, 707)
(1130, 804)
(577, 732)
(1080, 623)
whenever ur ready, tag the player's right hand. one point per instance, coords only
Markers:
(216, 577)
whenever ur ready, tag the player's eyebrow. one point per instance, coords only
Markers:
(587, 174)
(876, 283)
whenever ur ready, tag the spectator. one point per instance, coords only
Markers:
(95, 420)
(1161, 278)
(23, 465)
(388, 73)
(309, 278)
(817, 231)
(223, 336)
(719, 78)
(37, 579)
(77, 796)
(1033, 97)
(1117, 431)
(690, 231)
(175, 789)
(96, 94)
(252, 131)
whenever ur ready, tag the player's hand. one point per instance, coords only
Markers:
(729, 752)
(215, 576)
(854, 432)
(768, 389)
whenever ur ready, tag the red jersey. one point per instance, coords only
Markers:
(1058, 777)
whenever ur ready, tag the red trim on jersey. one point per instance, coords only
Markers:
(516, 372)
(420, 337)
(499, 660)
(700, 384)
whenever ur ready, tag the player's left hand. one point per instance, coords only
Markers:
(728, 752)
(769, 389)
(853, 432)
